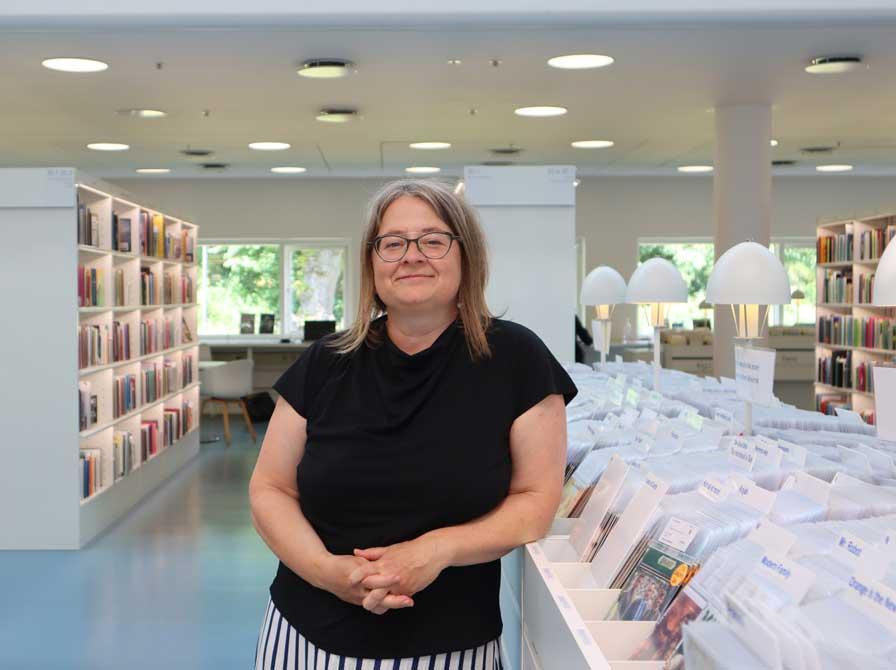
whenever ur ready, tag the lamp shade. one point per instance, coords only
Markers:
(656, 281)
(748, 274)
(798, 295)
(603, 286)
(884, 293)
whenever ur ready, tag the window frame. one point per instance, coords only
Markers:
(287, 246)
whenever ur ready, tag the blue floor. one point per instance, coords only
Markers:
(181, 582)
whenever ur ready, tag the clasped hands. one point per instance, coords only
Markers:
(384, 578)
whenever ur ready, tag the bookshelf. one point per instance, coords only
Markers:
(101, 355)
(851, 335)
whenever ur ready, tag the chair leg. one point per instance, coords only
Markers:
(248, 419)
(205, 402)
(226, 413)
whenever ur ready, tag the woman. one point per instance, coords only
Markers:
(406, 456)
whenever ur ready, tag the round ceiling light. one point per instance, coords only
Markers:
(422, 170)
(694, 168)
(430, 146)
(540, 111)
(288, 170)
(326, 68)
(74, 65)
(143, 113)
(592, 144)
(833, 168)
(269, 146)
(834, 64)
(336, 115)
(153, 170)
(108, 146)
(580, 61)
(774, 143)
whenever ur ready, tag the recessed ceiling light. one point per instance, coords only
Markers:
(580, 61)
(336, 115)
(143, 113)
(153, 170)
(74, 65)
(833, 64)
(575, 183)
(455, 61)
(695, 168)
(422, 170)
(540, 111)
(459, 187)
(592, 144)
(288, 170)
(430, 145)
(774, 143)
(269, 146)
(326, 68)
(108, 146)
(833, 168)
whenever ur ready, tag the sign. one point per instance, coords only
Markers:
(885, 401)
(754, 374)
(742, 453)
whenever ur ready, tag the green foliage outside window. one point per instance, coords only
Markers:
(237, 279)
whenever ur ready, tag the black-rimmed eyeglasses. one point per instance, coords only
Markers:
(392, 248)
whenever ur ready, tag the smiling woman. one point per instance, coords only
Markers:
(421, 451)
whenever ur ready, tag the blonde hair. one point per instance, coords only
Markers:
(463, 222)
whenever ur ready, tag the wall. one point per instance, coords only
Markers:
(611, 212)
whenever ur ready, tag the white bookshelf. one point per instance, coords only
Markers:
(860, 261)
(42, 505)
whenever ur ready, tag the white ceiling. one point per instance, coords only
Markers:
(655, 102)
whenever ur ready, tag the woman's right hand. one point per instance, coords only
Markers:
(343, 577)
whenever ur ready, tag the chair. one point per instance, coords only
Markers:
(224, 383)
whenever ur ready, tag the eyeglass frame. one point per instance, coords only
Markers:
(416, 240)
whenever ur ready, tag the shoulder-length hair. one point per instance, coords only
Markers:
(462, 220)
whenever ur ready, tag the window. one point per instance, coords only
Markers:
(694, 257)
(248, 287)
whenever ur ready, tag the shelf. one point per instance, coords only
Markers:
(117, 308)
(130, 415)
(838, 264)
(867, 350)
(837, 389)
(132, 256)
(83, 372)
(179, 442)
(872, 261)
(835, 305)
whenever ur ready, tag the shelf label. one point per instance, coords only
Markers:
(754, 495)
(678, 533)
(792, 578)
(767, 452)
(754, 374)
(714, 489)
(873, 598)
(794, 453)
(742, 453)
(723, 415)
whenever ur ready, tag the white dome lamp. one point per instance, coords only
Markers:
(654, 284)
(604, 288)
(748, 277)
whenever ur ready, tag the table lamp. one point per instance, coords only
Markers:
(748, 277)
(604, 288)
(884, 295)
(654, 284)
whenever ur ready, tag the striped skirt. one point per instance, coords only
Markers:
(282, 647)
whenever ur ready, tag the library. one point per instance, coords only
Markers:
(542, 337)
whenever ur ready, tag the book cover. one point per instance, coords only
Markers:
(124, 234)
(247, 324)
(267, 324)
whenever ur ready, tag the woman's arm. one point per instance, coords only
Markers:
(278, 517)
(538, 455)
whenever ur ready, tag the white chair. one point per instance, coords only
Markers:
(225, 383)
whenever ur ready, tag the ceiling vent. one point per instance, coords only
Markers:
(820, 149)
(196, 153)
(497, 163)
(506, 151)
(783, 163)
(214, 166)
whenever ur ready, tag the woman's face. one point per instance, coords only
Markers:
(416, 281)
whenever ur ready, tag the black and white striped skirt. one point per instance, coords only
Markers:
(282, 647)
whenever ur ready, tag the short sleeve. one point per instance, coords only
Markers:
(295, 385)
(537, 374)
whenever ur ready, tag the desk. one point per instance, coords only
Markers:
(271, 356)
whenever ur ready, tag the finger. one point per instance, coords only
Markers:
(373, 599)
(372, 554)
(397, 602)
(379, 581)
(360, 573)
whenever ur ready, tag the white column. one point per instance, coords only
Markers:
(742, 197)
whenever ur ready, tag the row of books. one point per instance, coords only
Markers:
(91, 291)
(88, 226)
(837, 287)
(121, 233)
(148, 291)
(93, 346)
(87, 406)
(835, 248)
(152, 234)
(855, 331)
(178, 289)
(149, 439)
(90, 470)
(829, 403)
(159, 380)
(836, 369)
(863, 379)
(186, 374)
(124, 454)
(124, 395)
(865, 285)
(176, 423)
(873, 242)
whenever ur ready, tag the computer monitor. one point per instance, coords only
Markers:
(314, 330)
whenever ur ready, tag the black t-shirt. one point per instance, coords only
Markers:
(399, 445)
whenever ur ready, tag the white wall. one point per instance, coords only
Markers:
(611, 212)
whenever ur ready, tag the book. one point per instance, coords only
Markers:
(124, 234)
(247, 324)
(267, 323)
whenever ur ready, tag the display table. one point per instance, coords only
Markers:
(272, 357)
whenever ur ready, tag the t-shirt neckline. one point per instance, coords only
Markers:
(441, 342)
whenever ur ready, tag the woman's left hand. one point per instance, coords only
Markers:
(416, 564)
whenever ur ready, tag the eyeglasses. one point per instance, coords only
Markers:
(392, 248)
